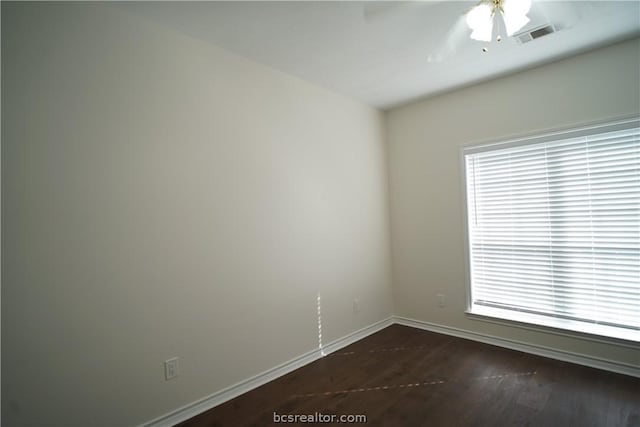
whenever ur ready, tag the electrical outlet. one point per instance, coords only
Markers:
(171, 368)
(356, 306)
(440, 300)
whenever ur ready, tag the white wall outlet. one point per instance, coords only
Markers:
(440, 300)
(356, 306)
(171, 368)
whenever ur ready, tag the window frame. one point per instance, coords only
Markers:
(536, 137)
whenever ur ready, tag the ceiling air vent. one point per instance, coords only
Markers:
(536, 33)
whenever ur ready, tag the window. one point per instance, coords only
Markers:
(553, 227)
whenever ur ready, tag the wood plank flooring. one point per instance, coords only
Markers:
(403, 376)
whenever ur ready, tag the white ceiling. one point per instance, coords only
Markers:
(389, 53)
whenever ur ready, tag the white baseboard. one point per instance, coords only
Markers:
(566, 356)
(219, 397)
(215, 399)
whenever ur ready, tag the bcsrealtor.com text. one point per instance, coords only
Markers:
(319, 417)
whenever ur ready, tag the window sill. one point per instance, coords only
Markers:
(569, 328)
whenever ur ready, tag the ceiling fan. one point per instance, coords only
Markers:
(480, 22)
(481, 17)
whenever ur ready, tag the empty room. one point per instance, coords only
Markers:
(389, 213)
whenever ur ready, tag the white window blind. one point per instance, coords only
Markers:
(554, 230)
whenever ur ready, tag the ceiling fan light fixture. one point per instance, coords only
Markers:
(480, 17)
(514, 14)
(513, 23)
(480, 20)
(483, 34)
(515, 7)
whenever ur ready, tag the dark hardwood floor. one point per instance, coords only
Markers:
(403, 376)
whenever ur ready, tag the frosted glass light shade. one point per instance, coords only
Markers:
(480, 20)
(483, 34)
(516, 7)
(514, 14)
(513, 23)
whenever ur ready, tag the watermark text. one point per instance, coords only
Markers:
(318, 417)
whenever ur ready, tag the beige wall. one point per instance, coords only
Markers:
(162, 197)
(424, 142)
